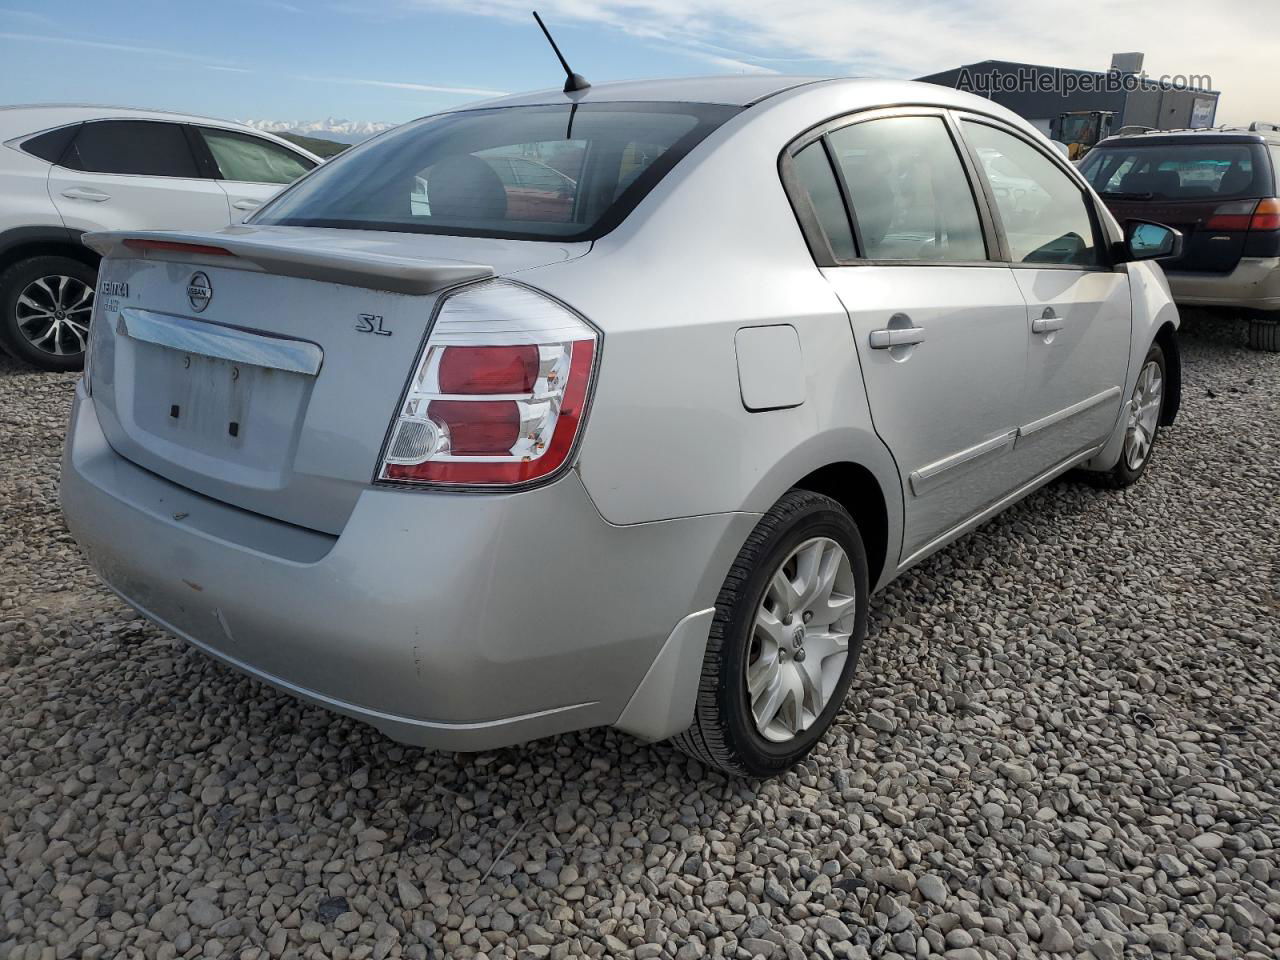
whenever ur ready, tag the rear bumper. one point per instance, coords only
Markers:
(1254, 284)
(461, 622)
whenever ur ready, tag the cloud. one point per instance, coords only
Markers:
(30, 16)
(119, 47)
(907, 40)
(406, 85)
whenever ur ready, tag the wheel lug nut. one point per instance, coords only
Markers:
(808, 615)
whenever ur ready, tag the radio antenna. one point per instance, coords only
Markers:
(573, 81)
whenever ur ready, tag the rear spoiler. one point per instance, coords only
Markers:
(306, 256)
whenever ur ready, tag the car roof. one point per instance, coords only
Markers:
(738, 91)
(21, 120)
(1201, 135)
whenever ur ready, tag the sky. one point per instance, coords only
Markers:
(390, 61)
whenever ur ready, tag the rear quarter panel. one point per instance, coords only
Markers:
(714, 248)
(24, 192)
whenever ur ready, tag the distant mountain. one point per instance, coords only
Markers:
(320, 146)
(331, 128)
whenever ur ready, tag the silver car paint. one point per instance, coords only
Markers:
(468, 621)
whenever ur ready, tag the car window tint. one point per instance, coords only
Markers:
(1044, 213)
(139, 147)
(532, 172)
(51, 144)
(1175, 171)
(813, 172)
(252, 160)
(911, 198)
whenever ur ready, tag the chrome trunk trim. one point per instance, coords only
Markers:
(219, 342)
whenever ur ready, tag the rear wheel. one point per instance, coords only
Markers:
(45, 305)
(789, 625)
(1264, 334)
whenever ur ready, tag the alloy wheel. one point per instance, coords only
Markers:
(53, 314)
(1144, 415)
(800, 639)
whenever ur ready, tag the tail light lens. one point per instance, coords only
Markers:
(1246, 215)
(498, 396)
(1266, 216)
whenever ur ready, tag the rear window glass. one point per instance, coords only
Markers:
(1178, 171)
(539, 172)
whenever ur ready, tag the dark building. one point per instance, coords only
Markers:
(1041, 94)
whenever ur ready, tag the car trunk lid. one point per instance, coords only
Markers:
(262, 366)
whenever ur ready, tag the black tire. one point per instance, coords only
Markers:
(1122, 475)
(723, 733)
(13, 282)
(1264, 334)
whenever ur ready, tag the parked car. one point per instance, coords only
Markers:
(1219, 187)
(71, 169)
(479, 475)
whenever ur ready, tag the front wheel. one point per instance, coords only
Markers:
(789, 625)
(1142, 423)
(45, 305)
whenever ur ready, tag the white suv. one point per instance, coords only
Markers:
(66, 170)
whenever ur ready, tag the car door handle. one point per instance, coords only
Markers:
(896, 337)
(247, 204)
(84, 193)
(1047, 322)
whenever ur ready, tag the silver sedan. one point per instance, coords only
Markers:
(609, 407)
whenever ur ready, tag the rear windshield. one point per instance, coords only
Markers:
(1180, 171)
(537, 173)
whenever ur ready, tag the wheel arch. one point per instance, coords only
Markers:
(856, 489)
(851, 465)
(1167, 337)
(23, 243)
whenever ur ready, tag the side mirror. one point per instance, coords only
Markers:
(1151, 241)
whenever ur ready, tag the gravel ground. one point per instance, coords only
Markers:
(1062, 744)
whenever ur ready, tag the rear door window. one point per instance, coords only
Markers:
(249, 159)
(1046, 215)
(910, 195)
(568, 172)
(137, 147)
(1177, 171)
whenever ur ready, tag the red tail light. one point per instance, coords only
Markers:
(1266, 216)
(485, 428)
(489, 369)
(1246, 215)
(499, 394)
